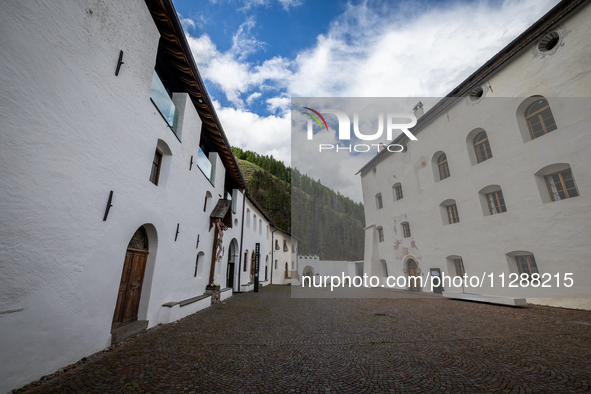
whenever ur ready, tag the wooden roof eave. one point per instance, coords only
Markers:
(179, 53)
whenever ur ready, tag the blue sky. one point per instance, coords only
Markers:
(254, 55)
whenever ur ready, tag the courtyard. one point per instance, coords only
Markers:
(270, 342)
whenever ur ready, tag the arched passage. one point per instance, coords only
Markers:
(232, 259)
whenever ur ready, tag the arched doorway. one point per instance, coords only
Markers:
(308, 271)
(132, 278)
(413, 270)
(232, 257)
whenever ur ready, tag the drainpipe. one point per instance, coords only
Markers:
(241, 239)
(272, 253)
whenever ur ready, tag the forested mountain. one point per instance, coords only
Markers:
(329, 224)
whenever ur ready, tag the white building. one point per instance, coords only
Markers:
(115, 171)
(312, 266)
(256, 230)
(488, 187)
(284, 257)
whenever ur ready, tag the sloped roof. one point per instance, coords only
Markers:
(222, 211)
(178, 55)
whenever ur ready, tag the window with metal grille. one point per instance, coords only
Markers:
(452, 214)
(561, 185)
(406, 230)
(539, 119)
(381, 234)
(443, 167)
(398, 191)
(482, 147)
(496, 202)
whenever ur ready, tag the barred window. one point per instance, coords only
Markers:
(406, 230)
(379, 204)
(381, 234)
(398, 191)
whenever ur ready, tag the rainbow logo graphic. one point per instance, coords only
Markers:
(315, 118)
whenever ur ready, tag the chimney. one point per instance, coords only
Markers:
(418, 110)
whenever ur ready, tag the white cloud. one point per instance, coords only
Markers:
(230, 71)
(290, 3)
(243, 42)
(250, 99)
(366, 52)
(281, 104)
(267, 135)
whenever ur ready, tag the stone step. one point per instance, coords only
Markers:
(120, 333)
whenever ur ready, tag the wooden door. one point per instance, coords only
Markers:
(413, 284)
(130, 287)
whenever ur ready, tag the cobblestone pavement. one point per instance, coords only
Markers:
(269, 342)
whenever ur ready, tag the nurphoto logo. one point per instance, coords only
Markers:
(392, 121)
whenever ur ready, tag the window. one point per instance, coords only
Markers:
(254, 223)
(381, 234)
(459, 265)
(385, 266)
(443, 167)
(196, 265)
(162, 99)
(406, 230)
(482, 147)
(476, 93)
(247, 218)
(539, 119)
(285, 247)
(379, 204)
(267, 232)
(245, 260)
(496, 202)
(277, 245)
(549, 41)
(275, 264)
(452, 213)
(260, 227)
(397, 191)
(203, 163)
(526, 264)
(156, 164)
(561, 185)
(208, 196)
(229, 194)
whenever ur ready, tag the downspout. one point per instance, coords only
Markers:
(272, 253)
(241, 239)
